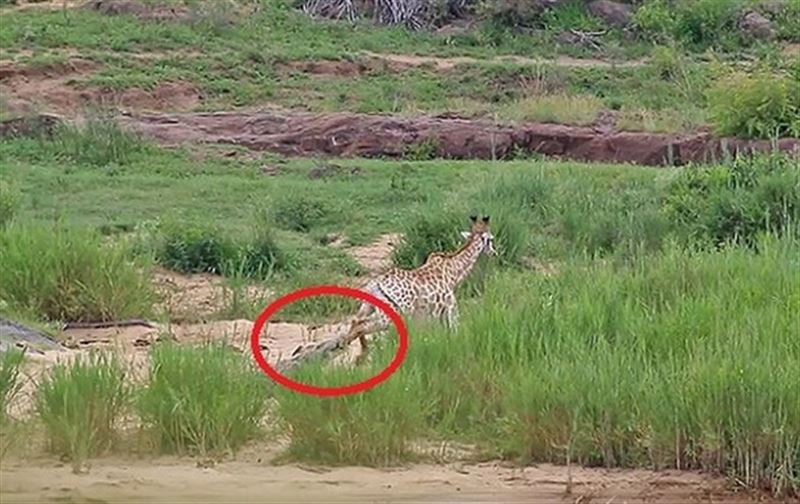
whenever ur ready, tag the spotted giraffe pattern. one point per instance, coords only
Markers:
(429, 289)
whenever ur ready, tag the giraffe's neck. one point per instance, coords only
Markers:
(457, 267)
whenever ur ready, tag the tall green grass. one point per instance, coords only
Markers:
(11, 361)
(98, 141)
(9, 203)
(203, 399)
(81, 403)
(675, 359)
(61, 272)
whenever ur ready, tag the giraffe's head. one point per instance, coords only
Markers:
(480, 231)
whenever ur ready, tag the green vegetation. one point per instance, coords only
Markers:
(635, 317)
(660, 363)
(736, 202)
(201, 399)
(9, 202)
(99, 142)
(62, 272)
(756, 106)
(11, 361)
(249, 62)
(81, 404)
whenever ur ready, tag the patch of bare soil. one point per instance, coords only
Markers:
(57, 88)
(193, 297)
(346, 135)
(171, 480)
(376, 257)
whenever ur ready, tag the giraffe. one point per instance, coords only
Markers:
(429, 288)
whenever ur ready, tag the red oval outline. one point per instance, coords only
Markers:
(272, 308)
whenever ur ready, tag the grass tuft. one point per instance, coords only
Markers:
(80, 405)
(11, 361)
(69, 274)
(203, 399)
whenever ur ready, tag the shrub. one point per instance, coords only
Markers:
(260, 258)
(79, 404)
(64, 273)
(192, 248)
(11, 361)
(655, 20)
(427, 232)
(201, 399)
(569, 15)
(198, 248)
(787, 22)
(705, 23)
(736, 201)
(760, 105)
(9, 203)
(299, 212)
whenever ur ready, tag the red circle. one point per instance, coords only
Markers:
(402, 333)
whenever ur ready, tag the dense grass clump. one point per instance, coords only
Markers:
(194, 249)
(299, 212)
(11, 361)
(200, 248)
(428, 232)
(657, 362)
(65, 273)
(736, 201)
(9, 203)
(99, 141)
(80, 405)
(201, 399)
(760, 105)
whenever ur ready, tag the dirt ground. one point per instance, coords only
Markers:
(255, 480)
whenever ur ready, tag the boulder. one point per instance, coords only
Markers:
(614, 14)
(756, 26)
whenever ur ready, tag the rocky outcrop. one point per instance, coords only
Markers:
(350, 135)
(613, 14)
(755, 26)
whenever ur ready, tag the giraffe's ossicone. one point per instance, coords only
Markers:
(428, 289)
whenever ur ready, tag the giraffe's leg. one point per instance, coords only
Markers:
(364, 312)
(374, 324)
(451, 312)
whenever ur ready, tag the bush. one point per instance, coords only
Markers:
(787, 22)
(705, 23)
(261, 257)
(191, 248)
(63, 273)
(194, 248)
(733, 203)
(755, 106)
(9, 203)
(79, 404)
(427, 232)
(11, 361)
(202, 399)
(655, 20)
(299, 212)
